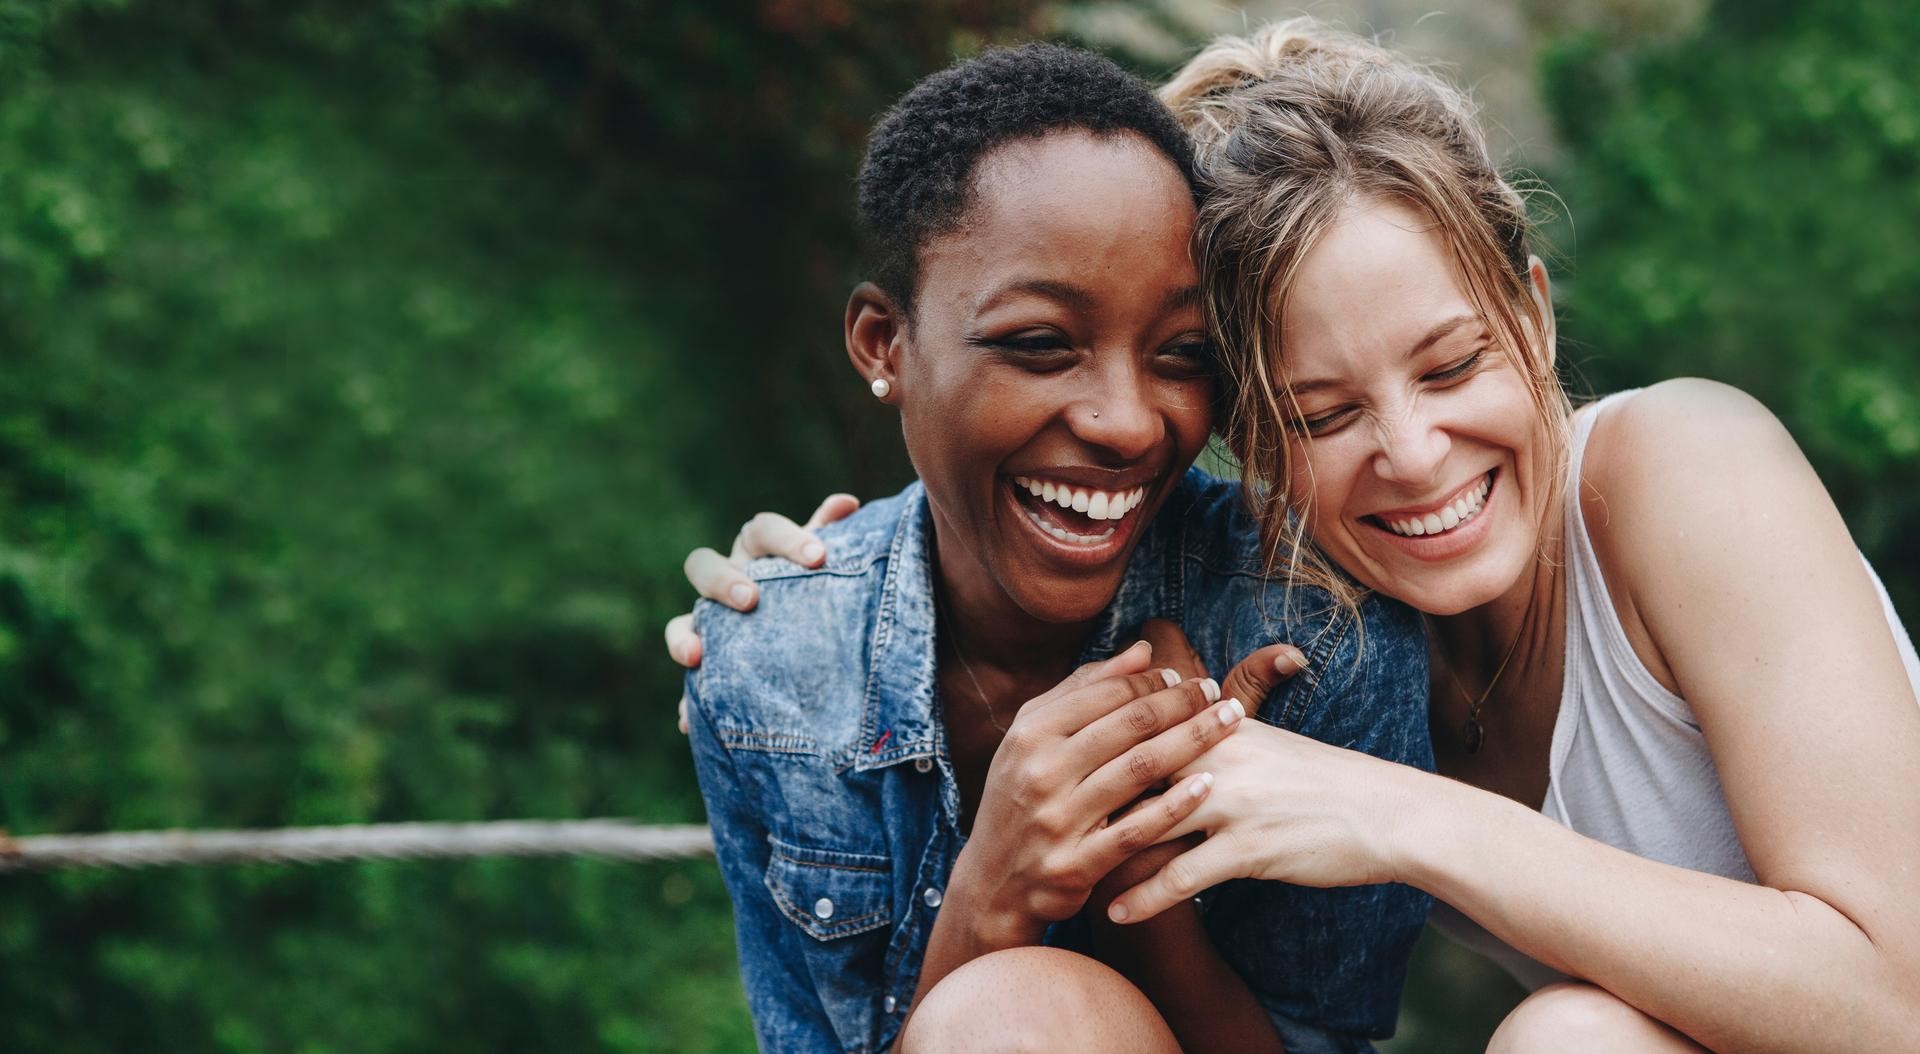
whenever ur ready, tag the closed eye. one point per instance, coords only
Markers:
(1459, 369)
(1041, 350)
(1324, 423)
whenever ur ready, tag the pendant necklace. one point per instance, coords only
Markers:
(1472, 733)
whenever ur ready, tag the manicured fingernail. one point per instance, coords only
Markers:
(1201, 784)
(1170, 677)
(1292, 661)
(812, 551)
(741, 594)
(1231, 711)
(1117, 912)
(1210, 688)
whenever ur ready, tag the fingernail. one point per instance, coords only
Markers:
(1296, 658)
(741, 594)
(1201, 784)
(1231, 711)
(1170, 677)
(1210, 688)
(1117, 912)
(812, 551)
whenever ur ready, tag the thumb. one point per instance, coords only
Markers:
(1257, 675)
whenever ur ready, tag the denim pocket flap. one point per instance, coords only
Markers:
(830, 894)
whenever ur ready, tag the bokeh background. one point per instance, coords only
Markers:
(367, 366)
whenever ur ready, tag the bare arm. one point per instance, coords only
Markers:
(1758, 605)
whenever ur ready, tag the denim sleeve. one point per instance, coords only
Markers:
(787, 1012)
(1334, 960)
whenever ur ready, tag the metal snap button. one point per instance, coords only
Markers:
(823, 908)
(888, 1004)
(931, 897)
(923, 764)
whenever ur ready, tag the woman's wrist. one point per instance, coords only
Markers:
(989, 927)
(1438, 823)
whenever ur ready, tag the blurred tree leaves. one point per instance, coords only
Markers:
(1745, 199)
(367, 369)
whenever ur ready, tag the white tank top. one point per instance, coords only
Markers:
(1628, 766)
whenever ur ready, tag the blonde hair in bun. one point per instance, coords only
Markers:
(1292, 125)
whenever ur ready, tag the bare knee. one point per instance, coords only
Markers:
(1578, 1017)
(1031, 1000)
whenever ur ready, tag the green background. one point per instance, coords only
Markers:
(366, 368)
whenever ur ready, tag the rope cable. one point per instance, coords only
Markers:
(614, 839)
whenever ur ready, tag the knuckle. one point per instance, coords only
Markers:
(1200, 731)
(1130, 838)
(1142, 718)
(1183, 879)
(1142, 767)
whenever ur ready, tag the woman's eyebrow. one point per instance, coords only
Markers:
(1065, 293)
(1439, 331)
(1182, 299)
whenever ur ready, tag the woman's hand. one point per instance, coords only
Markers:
(1286, 808)
(1282, 807)
(1046, 831)
(723, 579)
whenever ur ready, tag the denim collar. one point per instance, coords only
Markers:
(900, 722)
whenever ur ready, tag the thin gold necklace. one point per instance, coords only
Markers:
(967, 667)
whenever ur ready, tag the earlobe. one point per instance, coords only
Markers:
(875, 329)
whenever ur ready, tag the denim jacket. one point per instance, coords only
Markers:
(818, 742)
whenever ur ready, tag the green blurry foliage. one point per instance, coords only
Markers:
(366, 368)
(1745, 201)
(361, 392)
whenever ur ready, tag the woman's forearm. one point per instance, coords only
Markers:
(1733, 965)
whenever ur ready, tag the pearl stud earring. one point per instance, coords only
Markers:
(881, 389)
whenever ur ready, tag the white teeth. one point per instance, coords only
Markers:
(1095, 504)
(1464, 508)
(1068, 536)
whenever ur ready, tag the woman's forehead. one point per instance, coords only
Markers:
(1380, 275)
(1071, 209)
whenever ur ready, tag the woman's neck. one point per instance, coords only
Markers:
(1521, 622)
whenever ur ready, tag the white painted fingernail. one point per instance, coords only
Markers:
(741, 594)
(1210, 688)
(1231, 711)
(1170, 677)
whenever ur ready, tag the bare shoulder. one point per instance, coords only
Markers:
(1690, 447)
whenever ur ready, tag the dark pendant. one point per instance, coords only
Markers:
(1472, 735)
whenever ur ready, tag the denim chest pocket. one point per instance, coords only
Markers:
(843, 903)
(830, 894)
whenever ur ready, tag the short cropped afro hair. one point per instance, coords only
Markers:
(917, 179)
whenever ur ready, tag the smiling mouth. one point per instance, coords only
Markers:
(1444, 520)
(1074, 515)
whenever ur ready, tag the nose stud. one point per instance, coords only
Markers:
(1096, 413)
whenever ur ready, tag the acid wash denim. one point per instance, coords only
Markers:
(817, 738)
